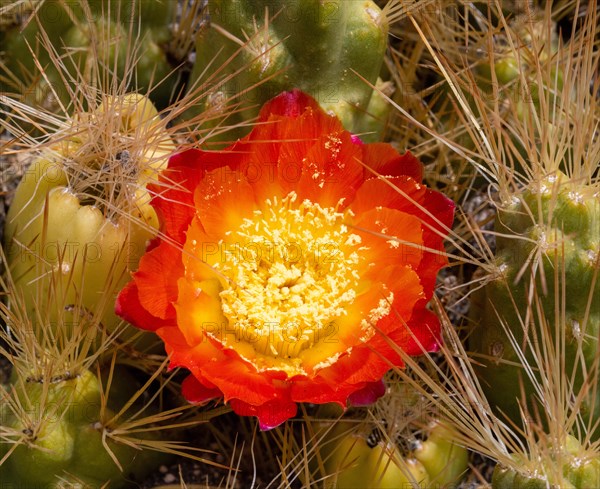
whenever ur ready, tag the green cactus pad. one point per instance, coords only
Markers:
(60, 242)
(352, 464)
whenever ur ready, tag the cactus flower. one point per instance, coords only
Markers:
(286, 269)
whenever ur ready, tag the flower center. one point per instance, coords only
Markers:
(293, 270)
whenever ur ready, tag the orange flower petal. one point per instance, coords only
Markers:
(330, 171)
(363, 364)
(192, 357)
(377, 192)
(200, 253)
(401, 285)
(223, 199)
(237, 380)
(199, 309)
(404, 285)
(223, 368)
(404, 246)
(434, 211)
(288, 145)
(385, 161)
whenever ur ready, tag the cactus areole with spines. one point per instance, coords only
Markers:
(568, 466)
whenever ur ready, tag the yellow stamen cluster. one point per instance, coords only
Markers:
(293, 270)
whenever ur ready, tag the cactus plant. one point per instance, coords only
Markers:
(548, 247)
(81, 216)
(356, 465)
(517, 60)
(96, 40)
(267, 47)
(570, 468)
(351, 463)
(64, 429)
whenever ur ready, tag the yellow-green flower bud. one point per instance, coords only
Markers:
(81, 217)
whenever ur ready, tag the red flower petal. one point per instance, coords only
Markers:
(385, 161)
(156, 280)
(321, 390)
(174, 195)
(270, 414)
(289, 105)
(196, 392)
(128, 307)
(421, 334)
(368, 394)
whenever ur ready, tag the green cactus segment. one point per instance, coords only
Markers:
(79, 242)
(569, 469)
(355, 465)
(352, 464)
(444, 461)
(61, 243)
(318, 47)
(554, 231)
(64, 435)
(111, 37)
